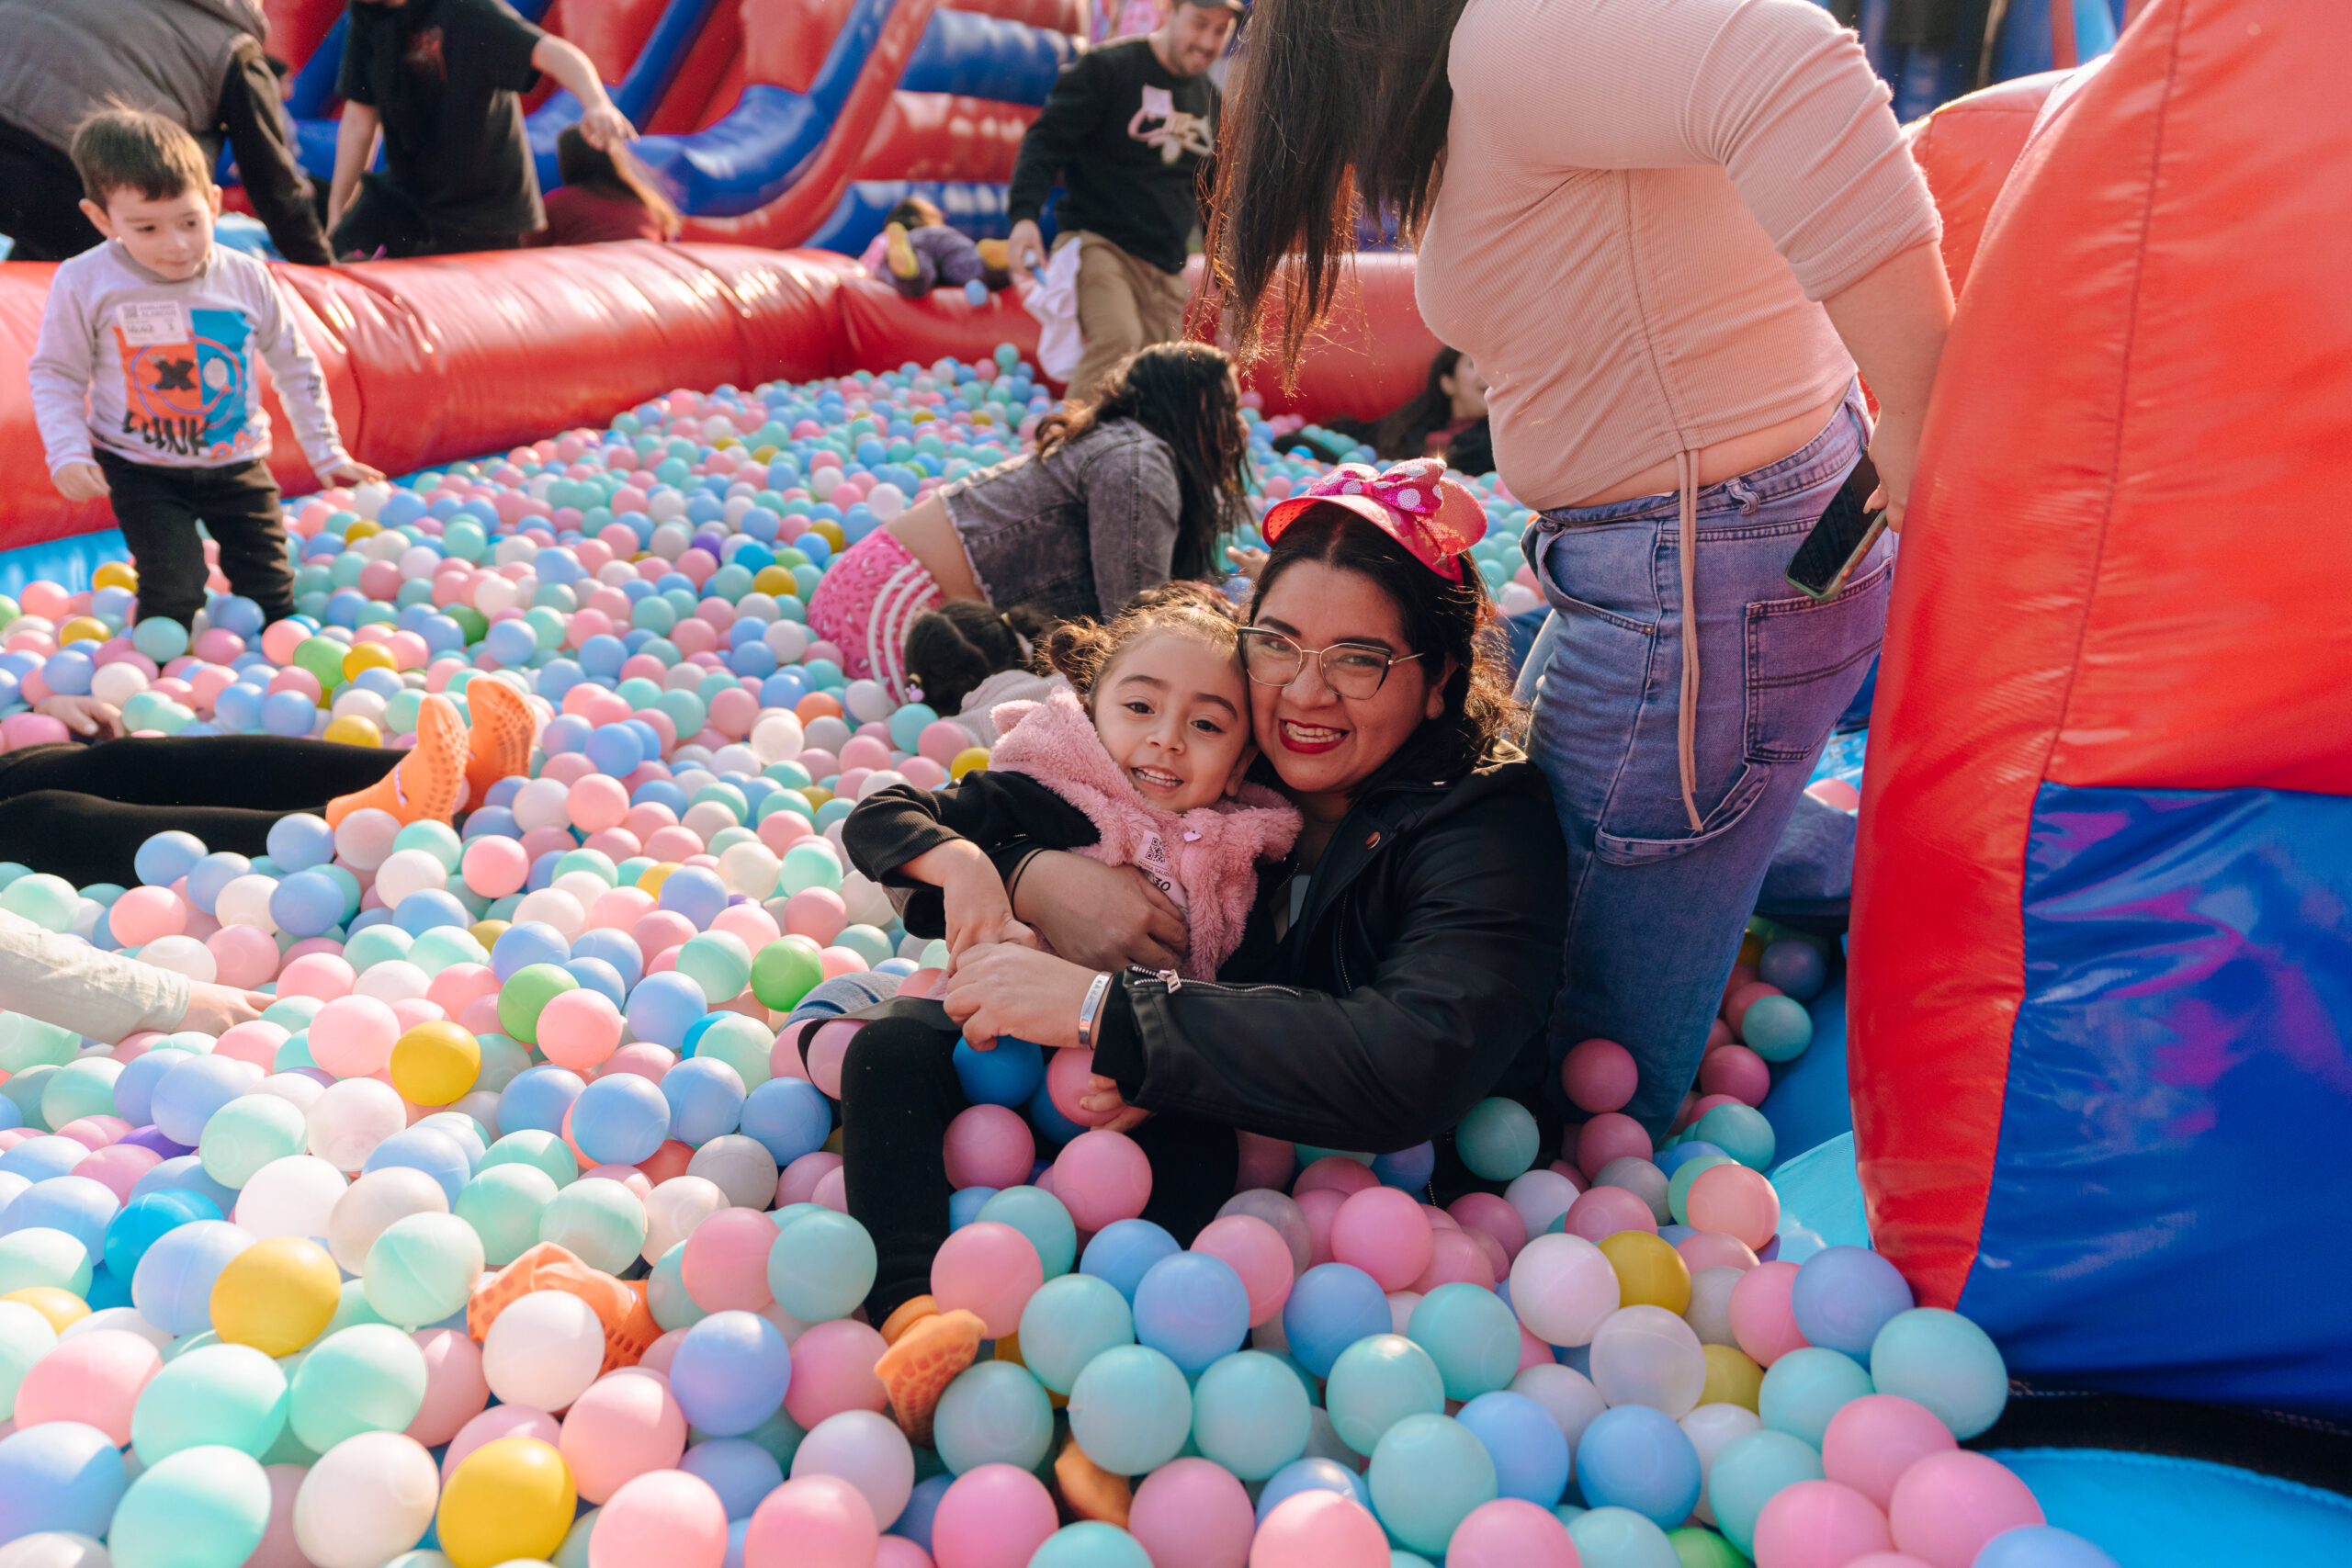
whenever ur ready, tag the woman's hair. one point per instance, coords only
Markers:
(1443, 620)
(918, 212)
(1403, 433)
(1183, 393)
(1079, 652)
(951, 650)
(1337, 105)
(615, 174)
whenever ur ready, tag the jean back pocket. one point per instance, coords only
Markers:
(1804, 659)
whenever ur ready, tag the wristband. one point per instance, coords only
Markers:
(1092, 1009)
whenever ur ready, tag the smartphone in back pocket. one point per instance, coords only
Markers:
(1843, 536)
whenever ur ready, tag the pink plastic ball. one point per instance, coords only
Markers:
(142, 914)
(1265, 1162)
(255, 1042)
(1383, 1232)
(1600, 1074)
(1873, 1440)
(352, 1037)
(1101, 1178)
(1736, 1071)
(1320, 1529)
(1818, 1524)
(1735, 1200)
(817, 1521)
(623, 1426)
(1761, 1318)
(988, 1268)
(828, 1046)
(663, 1515)
(94, 1378)
(832, 1369)
(1457, 1256)
(578, 1029)
(989, 1145)
(1491, 1214)
(1603, 1212)
(1335, 1173)
(119, 1167)
(941, 739)
(94, 1133)
(498, 1421)
(325, 975)
(1510, 1533)
(994, 1516)
(725, 1264)
(832, 1192)
(596, 803)
(1713, 1249)
(454, 1390)
(797, 1182)
(1258, 1253)
(1321, 1206)
(1946, 1507)
(1610, 1135)
(1192, 1513)
(1067, 1073)
(494, 867)
(24, 730)
(642, 1059)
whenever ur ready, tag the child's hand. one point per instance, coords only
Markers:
(978, 913)
(1246, 563)
(80, 481)
(83, 716)
(351, 471)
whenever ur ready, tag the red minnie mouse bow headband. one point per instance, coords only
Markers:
(1414, 504)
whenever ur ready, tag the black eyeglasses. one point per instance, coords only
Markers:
(1353, 670)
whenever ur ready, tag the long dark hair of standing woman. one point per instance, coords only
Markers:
(1183, 393)
(1337, 105)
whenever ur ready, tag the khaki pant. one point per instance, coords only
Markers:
(1124, 304)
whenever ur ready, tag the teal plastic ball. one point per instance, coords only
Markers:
(1749, 1472)
(1805, 1388)
(1427, 1473)
(1776, 1028)
(1376, 1382)
(1740, 1130)
(994, 1413)
(201, 1507)
(822, 1265)
(1942, 1360)
(1067, 1323)
(229, 1394)
(1251, 1415)
(1472, 1336)
(1131, 1410)
(1039, 1215)
(1498, 1139)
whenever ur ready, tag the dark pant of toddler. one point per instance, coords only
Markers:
(158, 509)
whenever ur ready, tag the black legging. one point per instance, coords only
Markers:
(81, 812)
(900, 1091)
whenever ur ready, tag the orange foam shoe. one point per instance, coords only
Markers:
(910, 1313)
(621, 1307)
(503, 728)
(917, 1369)
(423, 785)
(1092, 1492)
(897, 255)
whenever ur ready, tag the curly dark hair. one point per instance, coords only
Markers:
(1081, 650)
(1185, 394)
(1454, 623)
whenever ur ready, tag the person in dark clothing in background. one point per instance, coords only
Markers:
(604, 196)
(1448, 419)
(1128, 130)
(442, 80)
(198, 62)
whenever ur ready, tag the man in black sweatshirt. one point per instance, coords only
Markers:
(1128, 131)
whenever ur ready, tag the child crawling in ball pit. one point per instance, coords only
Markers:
(917, 253)
(1142, 766)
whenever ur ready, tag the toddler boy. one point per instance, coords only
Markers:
(143, 384)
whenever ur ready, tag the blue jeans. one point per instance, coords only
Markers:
(1655, 909)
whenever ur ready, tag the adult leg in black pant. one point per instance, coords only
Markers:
(158, 510)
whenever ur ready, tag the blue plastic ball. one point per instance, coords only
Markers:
(1805, 1388)
(1675, 1156)
(1472, 1336)
(309, 903)
(2041, 1546)
(1007, 1075)
(44, 1158)
(1797, 967)
(524, 943)
(143, 1221)
(78, 1205)
(1193, 1308)
(663, 1007)
(788, 1117)
(620, 1119)
(432, 1150)
(214, 872)
(994, 1413)
(1844, 1296)
(614, 749)
(1331, 1307)
(694, 892)
(1634, 1457)
(730, 1372)
(537, 1097)
(173, 1285)
(614, 949)
(1131, 1410)
(1427, 1474)
(1530, 1451)
(1124, 1251)
(1407, 1170)
(184, 1173)
(59, 1475)
(288, 713)
(1308, 1475)
(190, 1090)
(300, 841)
(705, 1098)
(963, 1205)
(164, 858)
(739, 1470)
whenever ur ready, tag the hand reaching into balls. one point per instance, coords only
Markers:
(85, 716)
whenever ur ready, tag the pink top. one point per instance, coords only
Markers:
(1643, 200)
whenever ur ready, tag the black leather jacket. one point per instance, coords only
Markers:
(1414, 984)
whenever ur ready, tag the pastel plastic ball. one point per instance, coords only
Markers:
(372, 1204)
(991, 1269)
(191, 1090)
(172, 1286)
(1530, 1448)
(1068, 1321)
(1498, 1139)
(988, 1145)
(1426, 1475)
(625, 1426)
(1637, 1457)
(1874, 1441)
(353, 1037)
(1945, 1362)
(1319, 1529)
(2041, 1546)
(543, 1350)
(822, 1265)
(1193, 1308)
(201, 1507)
(1256, 1252)
(368, 1378)
(1385, 1233)
(247, 1134)
(1650, 1272)
(1645, 1355)
(1331, 1307)
(1741, 1132)
(1948, 1506)
(435, 1063)
(1804, 1389)
(422, 1268)
(1563, 1288)
(1130, 1410)
(725, 1265)
(351, 1118)
(1761, 1319)
(1376, 1382)
(664, 1515)
(1471, 1335)
(994, 1517)
(365, 1500)
(61, 1475)
(597, 1220)
(1251, 1413)
(1511, 1533)
(1749, 1473)
(731, 1371)
(1777, 1028)
(993, 1412)
(1103, 1178)
(510, 1500)
(1192, 1514)
(620, 1119)
(275, 1296)
(504, 1205)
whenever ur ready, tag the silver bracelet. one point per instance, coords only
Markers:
(1092, 1009)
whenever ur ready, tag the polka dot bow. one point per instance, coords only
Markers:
(1414, 504)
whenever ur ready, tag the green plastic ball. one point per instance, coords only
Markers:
(596, 1219)
(80, 1088)
(544, 1151)
(201, 1507)
(49, 902)
(719, 962)
(369, 1378)
(39, 1255)
(784, 972)
(504, 1203)
(1498, 1139)
(247, 1134)
(29, 1043)
(422, 1268)
(527, 991)
(232, 1395)
(742, 1044)
(25, 1336)
(1698, 1548)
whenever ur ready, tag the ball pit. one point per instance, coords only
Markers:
(555, 1034)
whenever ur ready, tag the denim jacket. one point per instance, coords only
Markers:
(1081, 533)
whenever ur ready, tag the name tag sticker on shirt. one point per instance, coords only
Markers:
(147, 322)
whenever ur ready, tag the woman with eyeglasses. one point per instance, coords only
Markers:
(1402, 955)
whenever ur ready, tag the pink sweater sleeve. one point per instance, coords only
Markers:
(1774, 90)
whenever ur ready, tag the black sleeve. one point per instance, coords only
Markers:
(1007, 815)
(355, 73)
(499, 43)
(1072, 112)
(274, 180)
(1464, 983)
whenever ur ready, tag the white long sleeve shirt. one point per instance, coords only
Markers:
(65, 981)
(161, 372)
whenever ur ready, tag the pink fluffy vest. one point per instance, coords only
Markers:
(1214, 849)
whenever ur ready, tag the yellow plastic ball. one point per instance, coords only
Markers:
(775, 581)
(81, 629)
(652, 878)
(351, 729)
(1649, 1271)
(487, 932)
(510, 1500)
(362, 528)
(832, 1145)
(971, 757)
(367, 656)
(116, 574)
(61, 1307)
(816, 795)
(765, 451)
(831, 532)
(1732, 1378)
(435, 1063)
(276, 1295)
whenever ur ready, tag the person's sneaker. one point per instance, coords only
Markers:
(1092, 1492)
(424, 783)
(896, 254)
(910, 1313)
(503, 728)
(929, 1355)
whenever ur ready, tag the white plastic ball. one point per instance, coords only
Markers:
(366, 1499)
(363, 840)
(750, 869)
(293, 1196)
(1645, 1355)
(740, 1167)
(394, 980)
(543, 1350)
(542, 803)
(675, 1208)
(118, 683)
(245, 902)
(553, 906)
(182, 955)
(868, 701)
(350, 1119)
(408, 871)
